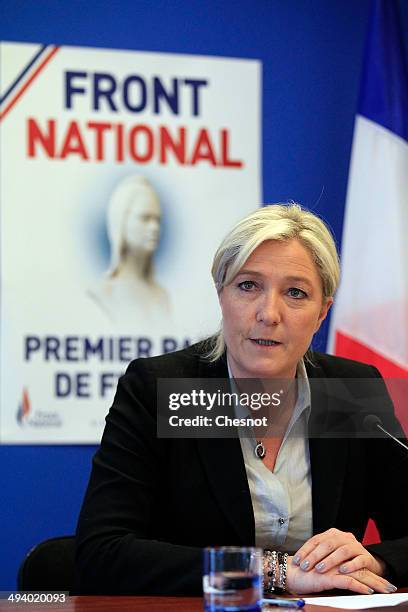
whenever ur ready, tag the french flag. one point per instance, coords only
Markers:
(370, 318)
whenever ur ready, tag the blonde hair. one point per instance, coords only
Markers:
(279, 222)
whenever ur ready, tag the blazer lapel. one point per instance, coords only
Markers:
(224, 464)
(328, 453)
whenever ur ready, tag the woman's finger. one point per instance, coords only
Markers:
(339, 548)
(352, 584)
(353, 565)
(325, 582)
(372, 581)
(362, 581)
(304, 551)
(344, 556)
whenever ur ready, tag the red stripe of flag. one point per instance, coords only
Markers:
(346, 346)
(395, 376)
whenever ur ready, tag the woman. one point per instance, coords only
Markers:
(129, 293)
(152, 504)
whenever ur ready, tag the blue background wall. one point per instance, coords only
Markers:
(311, 52)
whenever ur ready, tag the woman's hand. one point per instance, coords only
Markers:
(362, 581)
(337, 549)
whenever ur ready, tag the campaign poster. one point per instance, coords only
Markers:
(121, 171)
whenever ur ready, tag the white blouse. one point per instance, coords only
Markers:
(282, 499)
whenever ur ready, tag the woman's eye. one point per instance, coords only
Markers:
(246, 285)
(296, 293)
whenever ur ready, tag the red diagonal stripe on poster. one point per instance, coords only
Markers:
(36, 72)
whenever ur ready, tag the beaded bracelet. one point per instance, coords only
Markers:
(275, 567)
(270, 561)
(283, 568)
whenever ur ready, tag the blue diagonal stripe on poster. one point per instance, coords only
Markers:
(21, 75)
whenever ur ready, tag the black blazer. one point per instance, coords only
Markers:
(153, 504)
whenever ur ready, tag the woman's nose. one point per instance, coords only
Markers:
(269, 309)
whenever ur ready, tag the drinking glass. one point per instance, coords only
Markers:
(232, 580)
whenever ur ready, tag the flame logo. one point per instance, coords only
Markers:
(24, 408)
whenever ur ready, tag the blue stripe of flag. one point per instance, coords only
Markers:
(384, 87)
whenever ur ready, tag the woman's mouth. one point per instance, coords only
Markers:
(265, 342)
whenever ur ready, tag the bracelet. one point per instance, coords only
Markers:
(283, 568)
(275, 568)
(271, 558)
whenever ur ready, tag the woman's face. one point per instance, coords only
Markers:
(142, 224)
(271, 310)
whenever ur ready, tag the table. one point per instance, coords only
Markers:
(145, 604)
